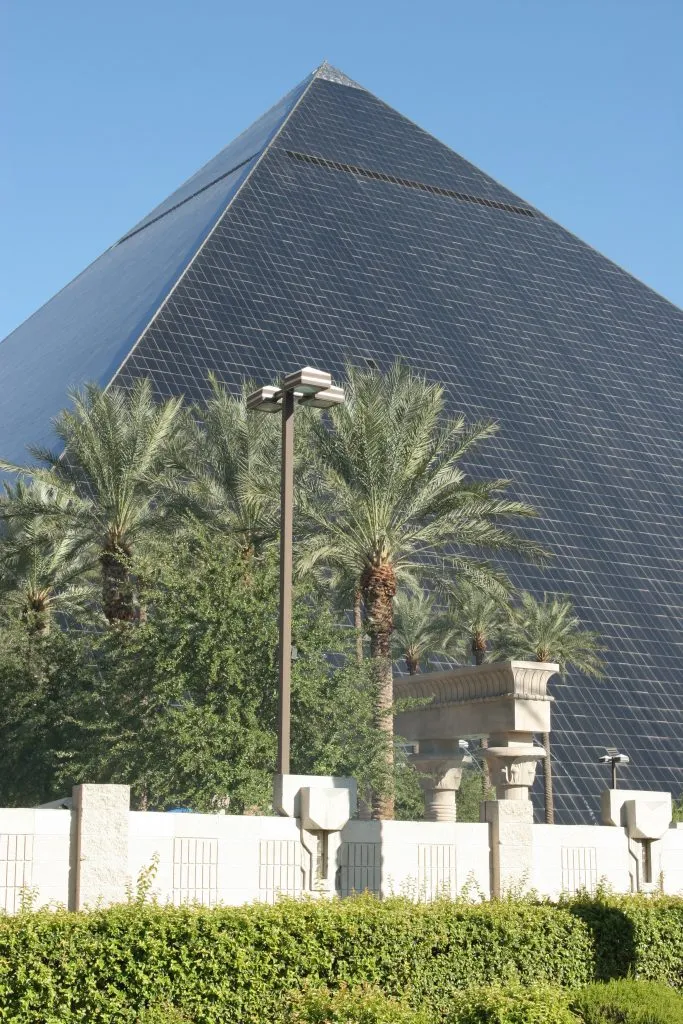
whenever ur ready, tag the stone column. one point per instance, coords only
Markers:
(511, 844)
(512, 759)
(102, 824)
(440, 764)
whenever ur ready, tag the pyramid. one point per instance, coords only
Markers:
(334, 229)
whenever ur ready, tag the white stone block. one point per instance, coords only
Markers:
(324, 810)
(511, 841)
(650, 812)
(287, 789)
(103, 814)
(649, 818)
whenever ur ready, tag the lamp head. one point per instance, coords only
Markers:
(614, 757)
(307, 381)
(324, 399)
(265, 400)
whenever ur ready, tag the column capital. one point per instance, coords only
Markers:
(512, 764)
(440, 765)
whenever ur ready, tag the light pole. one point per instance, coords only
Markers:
(613, 758)
(304, 387)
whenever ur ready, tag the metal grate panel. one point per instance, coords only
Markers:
(16, 869)
(195, 871)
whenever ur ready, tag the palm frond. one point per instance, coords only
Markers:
(550, 630)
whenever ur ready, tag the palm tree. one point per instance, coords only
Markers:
(476, 619)
(42, 571)
(394, 506)
(550, 630)
(229, 459)
(109, 481)
(420, 629)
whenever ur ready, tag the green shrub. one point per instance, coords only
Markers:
(162, 1014)
(361, 1005)
(511, 1005)
(234, 963)
(237, 964)
(629, 1002)
(637, 935)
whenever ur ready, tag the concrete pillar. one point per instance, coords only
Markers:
(102, 823)
(512, 758)
(440, 764)
(511, 844)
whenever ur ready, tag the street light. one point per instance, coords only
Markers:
(304, 387)
(614, 758)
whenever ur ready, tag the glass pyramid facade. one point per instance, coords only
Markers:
(336, 229)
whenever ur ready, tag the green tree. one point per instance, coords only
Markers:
(184, 707)
(106, 487)
(394, 505)
(421, 628)
(31, 711)
(230, 459)
(477, 619)
(550, 630)
(43, 572)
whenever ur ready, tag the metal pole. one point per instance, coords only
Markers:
(286, 525)
(614, 774)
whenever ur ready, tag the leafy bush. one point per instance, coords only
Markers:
(162, 1014)
(511, 1005)
(629, 1002)
(635, 935)
(361, 1005)
(235, 963)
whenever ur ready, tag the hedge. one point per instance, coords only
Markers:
(233, 964)
(636, 935)
(628, 1002)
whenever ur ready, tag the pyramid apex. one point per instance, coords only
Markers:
(332, 74)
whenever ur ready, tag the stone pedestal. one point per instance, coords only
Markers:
(512, 758)
(102, 825)
(511, 843)
(440, 765)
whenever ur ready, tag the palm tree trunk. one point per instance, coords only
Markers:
(358, 624)
(479, 648)
(542, 654)
(548, 781)
(485, 770)
(379, 588)
(479, 651)
(117, 592)
(37, 618)
(413, 664)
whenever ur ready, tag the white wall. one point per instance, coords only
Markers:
(35, 847)
(431, 859)
(218, 858)
(230, 859)
(568, 858)
(671, 860)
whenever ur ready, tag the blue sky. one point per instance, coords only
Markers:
(576, 105)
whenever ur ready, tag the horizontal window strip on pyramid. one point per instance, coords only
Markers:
(363, 172)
